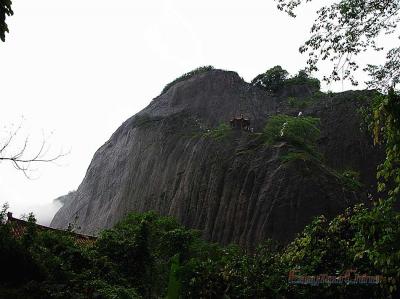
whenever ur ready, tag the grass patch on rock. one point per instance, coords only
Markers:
(188, 75)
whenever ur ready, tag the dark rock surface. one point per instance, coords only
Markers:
(65, 198)
(233, 189)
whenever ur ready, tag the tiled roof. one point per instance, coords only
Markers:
(240, 118)
(18, 228)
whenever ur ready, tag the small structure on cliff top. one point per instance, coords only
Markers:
(240, 123)
(18, 228)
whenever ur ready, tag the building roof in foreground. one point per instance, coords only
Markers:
(19, 226)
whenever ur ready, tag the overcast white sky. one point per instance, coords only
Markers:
(76, 70)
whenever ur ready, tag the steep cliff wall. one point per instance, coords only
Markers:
(234, 188)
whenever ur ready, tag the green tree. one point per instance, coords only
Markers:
(367, 240)
(340, 32)
(303, 78)
(272, 80)
(345, 29)
(5, 11)
(386, 130)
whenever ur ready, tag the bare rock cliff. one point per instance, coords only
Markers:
(234, 188)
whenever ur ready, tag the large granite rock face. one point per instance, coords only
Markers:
(234, 188)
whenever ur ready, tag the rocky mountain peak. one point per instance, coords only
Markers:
(233, 188)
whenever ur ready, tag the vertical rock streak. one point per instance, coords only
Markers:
(233, 188)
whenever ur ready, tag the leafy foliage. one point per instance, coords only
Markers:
(272, 80)
(5, 10)
(14, 257)
(300, 103)
(386, 130)
(188, 75)
(142, 248)
(136, 258)
(133, 260)
(277, 78)
(346, 28)
(174, 285)
(351, 179)
(341, 31)
(362, 239)
(299, 132)
(303, 78)
(233, 273)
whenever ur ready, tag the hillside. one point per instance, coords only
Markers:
(174, 158)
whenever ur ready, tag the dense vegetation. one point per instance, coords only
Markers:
(133, 260)
(303, 78)
(276, 78)
(343, 30)
(299, 133)
(272, 80)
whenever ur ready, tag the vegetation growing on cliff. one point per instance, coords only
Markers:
(188, 75)
(299, 103)
(303, 78)
(300, 133)
(272, 80)
(221, 132)
(277, 78)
